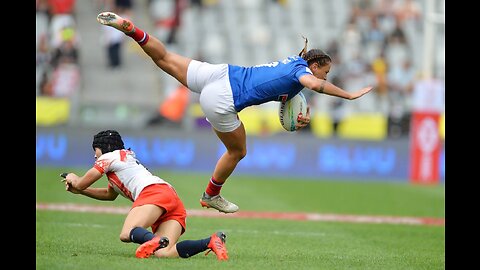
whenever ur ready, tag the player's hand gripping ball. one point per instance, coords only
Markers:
(290, 111)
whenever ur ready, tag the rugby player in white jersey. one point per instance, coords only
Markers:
(156, 204)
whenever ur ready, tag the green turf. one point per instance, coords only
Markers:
(90, 241)
(270, 194)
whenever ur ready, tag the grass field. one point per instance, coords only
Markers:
(82, 240)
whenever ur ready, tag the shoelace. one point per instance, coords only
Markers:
(222, 201)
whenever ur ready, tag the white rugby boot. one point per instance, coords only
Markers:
(115, 21)
(219, 203)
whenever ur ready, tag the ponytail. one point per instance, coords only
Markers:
(314, 55)
(303, 52)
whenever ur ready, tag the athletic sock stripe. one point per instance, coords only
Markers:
(143, 38)
(215, 184)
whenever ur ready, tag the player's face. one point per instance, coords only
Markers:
(98, 152)
(321, 72)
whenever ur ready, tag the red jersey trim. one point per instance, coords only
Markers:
(100, 169)
(123, 155)
(113, 179)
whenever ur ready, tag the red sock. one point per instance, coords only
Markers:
(213, 187)
(139, 36)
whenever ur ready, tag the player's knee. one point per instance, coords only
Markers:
(240, 154)
(125, 237)
(243, 153)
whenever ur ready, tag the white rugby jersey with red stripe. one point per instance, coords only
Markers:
(125, 173)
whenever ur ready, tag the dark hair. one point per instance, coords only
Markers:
(108, 141)
(314, 55)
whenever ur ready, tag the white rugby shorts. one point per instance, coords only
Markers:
(216, 99)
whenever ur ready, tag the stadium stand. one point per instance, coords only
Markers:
(367, 40)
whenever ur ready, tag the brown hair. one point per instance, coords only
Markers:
(314, 55)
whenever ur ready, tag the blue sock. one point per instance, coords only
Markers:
(189, 248)
(140, 235)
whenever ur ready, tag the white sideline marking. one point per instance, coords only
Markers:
(255, 214)
(69, 224)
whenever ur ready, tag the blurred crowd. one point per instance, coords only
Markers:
(57, 43)
(378, 44)
(377, 48)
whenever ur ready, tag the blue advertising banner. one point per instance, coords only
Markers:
(283, 155)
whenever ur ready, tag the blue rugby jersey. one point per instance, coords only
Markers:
(275, 81)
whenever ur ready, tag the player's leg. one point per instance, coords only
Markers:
(235, 142)
(172, 230)
(172, 63)
(138, 219)
(215, 243)
(216, 101)
(169, 226)
(188, 248)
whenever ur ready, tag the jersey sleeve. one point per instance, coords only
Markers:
(102, 164)
(302, 70)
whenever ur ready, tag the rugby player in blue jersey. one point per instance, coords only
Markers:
(227, 89)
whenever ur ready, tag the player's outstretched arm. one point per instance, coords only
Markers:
(325, 87)
(81, 185)
(361, 92)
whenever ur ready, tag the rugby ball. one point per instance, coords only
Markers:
(290, 110)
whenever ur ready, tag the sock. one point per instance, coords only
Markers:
(140, 235)
(213, 187)
(139, 36)
(189, 248)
